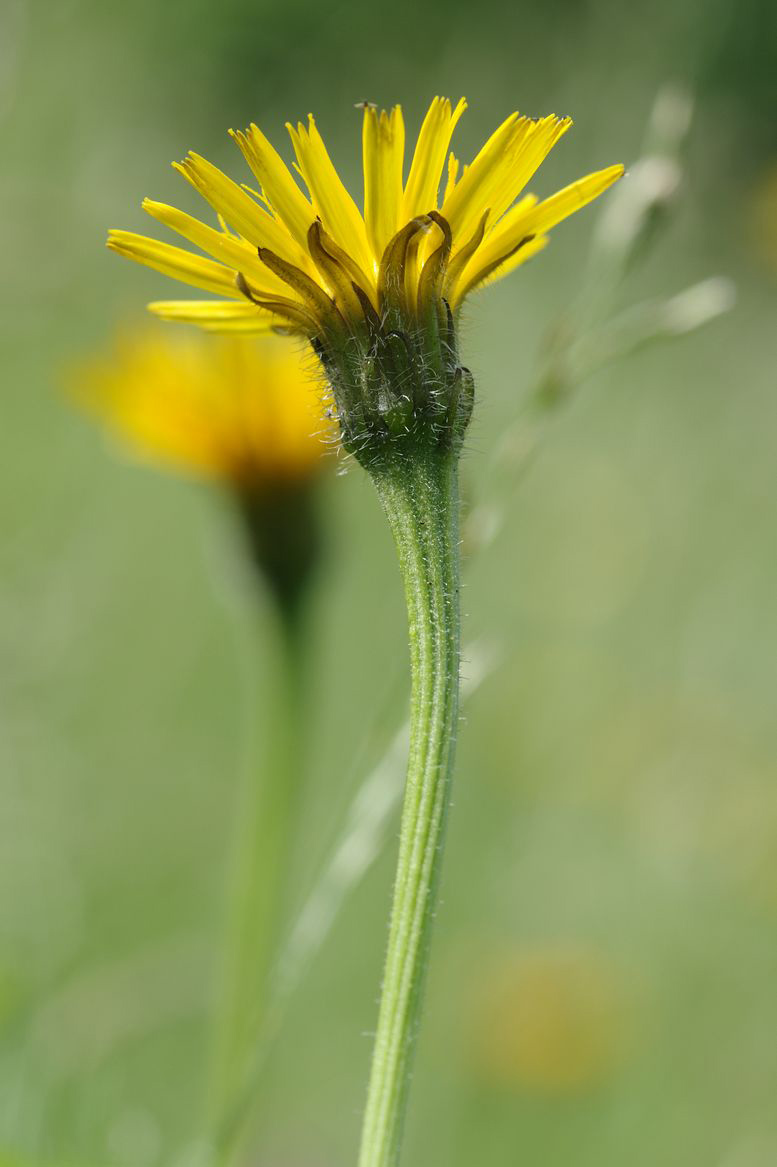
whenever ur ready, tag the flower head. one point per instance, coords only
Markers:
(239, 411)
(242, 411)
(377, 293)
(551, 1020)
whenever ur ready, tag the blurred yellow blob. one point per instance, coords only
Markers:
(763, 216)
(247, 412)
(549, 1021)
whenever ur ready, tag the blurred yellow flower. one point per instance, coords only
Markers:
(243, 411)
(763, 216)
(316, 264)
(549, 1020)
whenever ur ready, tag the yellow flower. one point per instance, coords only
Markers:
(763, 217)
(243, 411)
(315, 264)
(550, 1020)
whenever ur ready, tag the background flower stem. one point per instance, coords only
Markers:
(420, 497)
(264, 830)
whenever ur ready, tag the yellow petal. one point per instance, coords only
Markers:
(216, 315)
(573, 198)
(501, 169)
(531, 218)
(434, 138)
(174, 261)
(336, 208)
(238, 208)
(464, 201)
(278, 185)
(453, 174)
(464, 253)
(524, 159)
(482, 277)
(383, 147)
(234, 252)
(500, 240)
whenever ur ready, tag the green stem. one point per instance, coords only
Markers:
(264, 834)
(419, 495)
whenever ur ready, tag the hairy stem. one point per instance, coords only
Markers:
(418, 492)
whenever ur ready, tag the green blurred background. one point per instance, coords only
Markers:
(603, 981)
